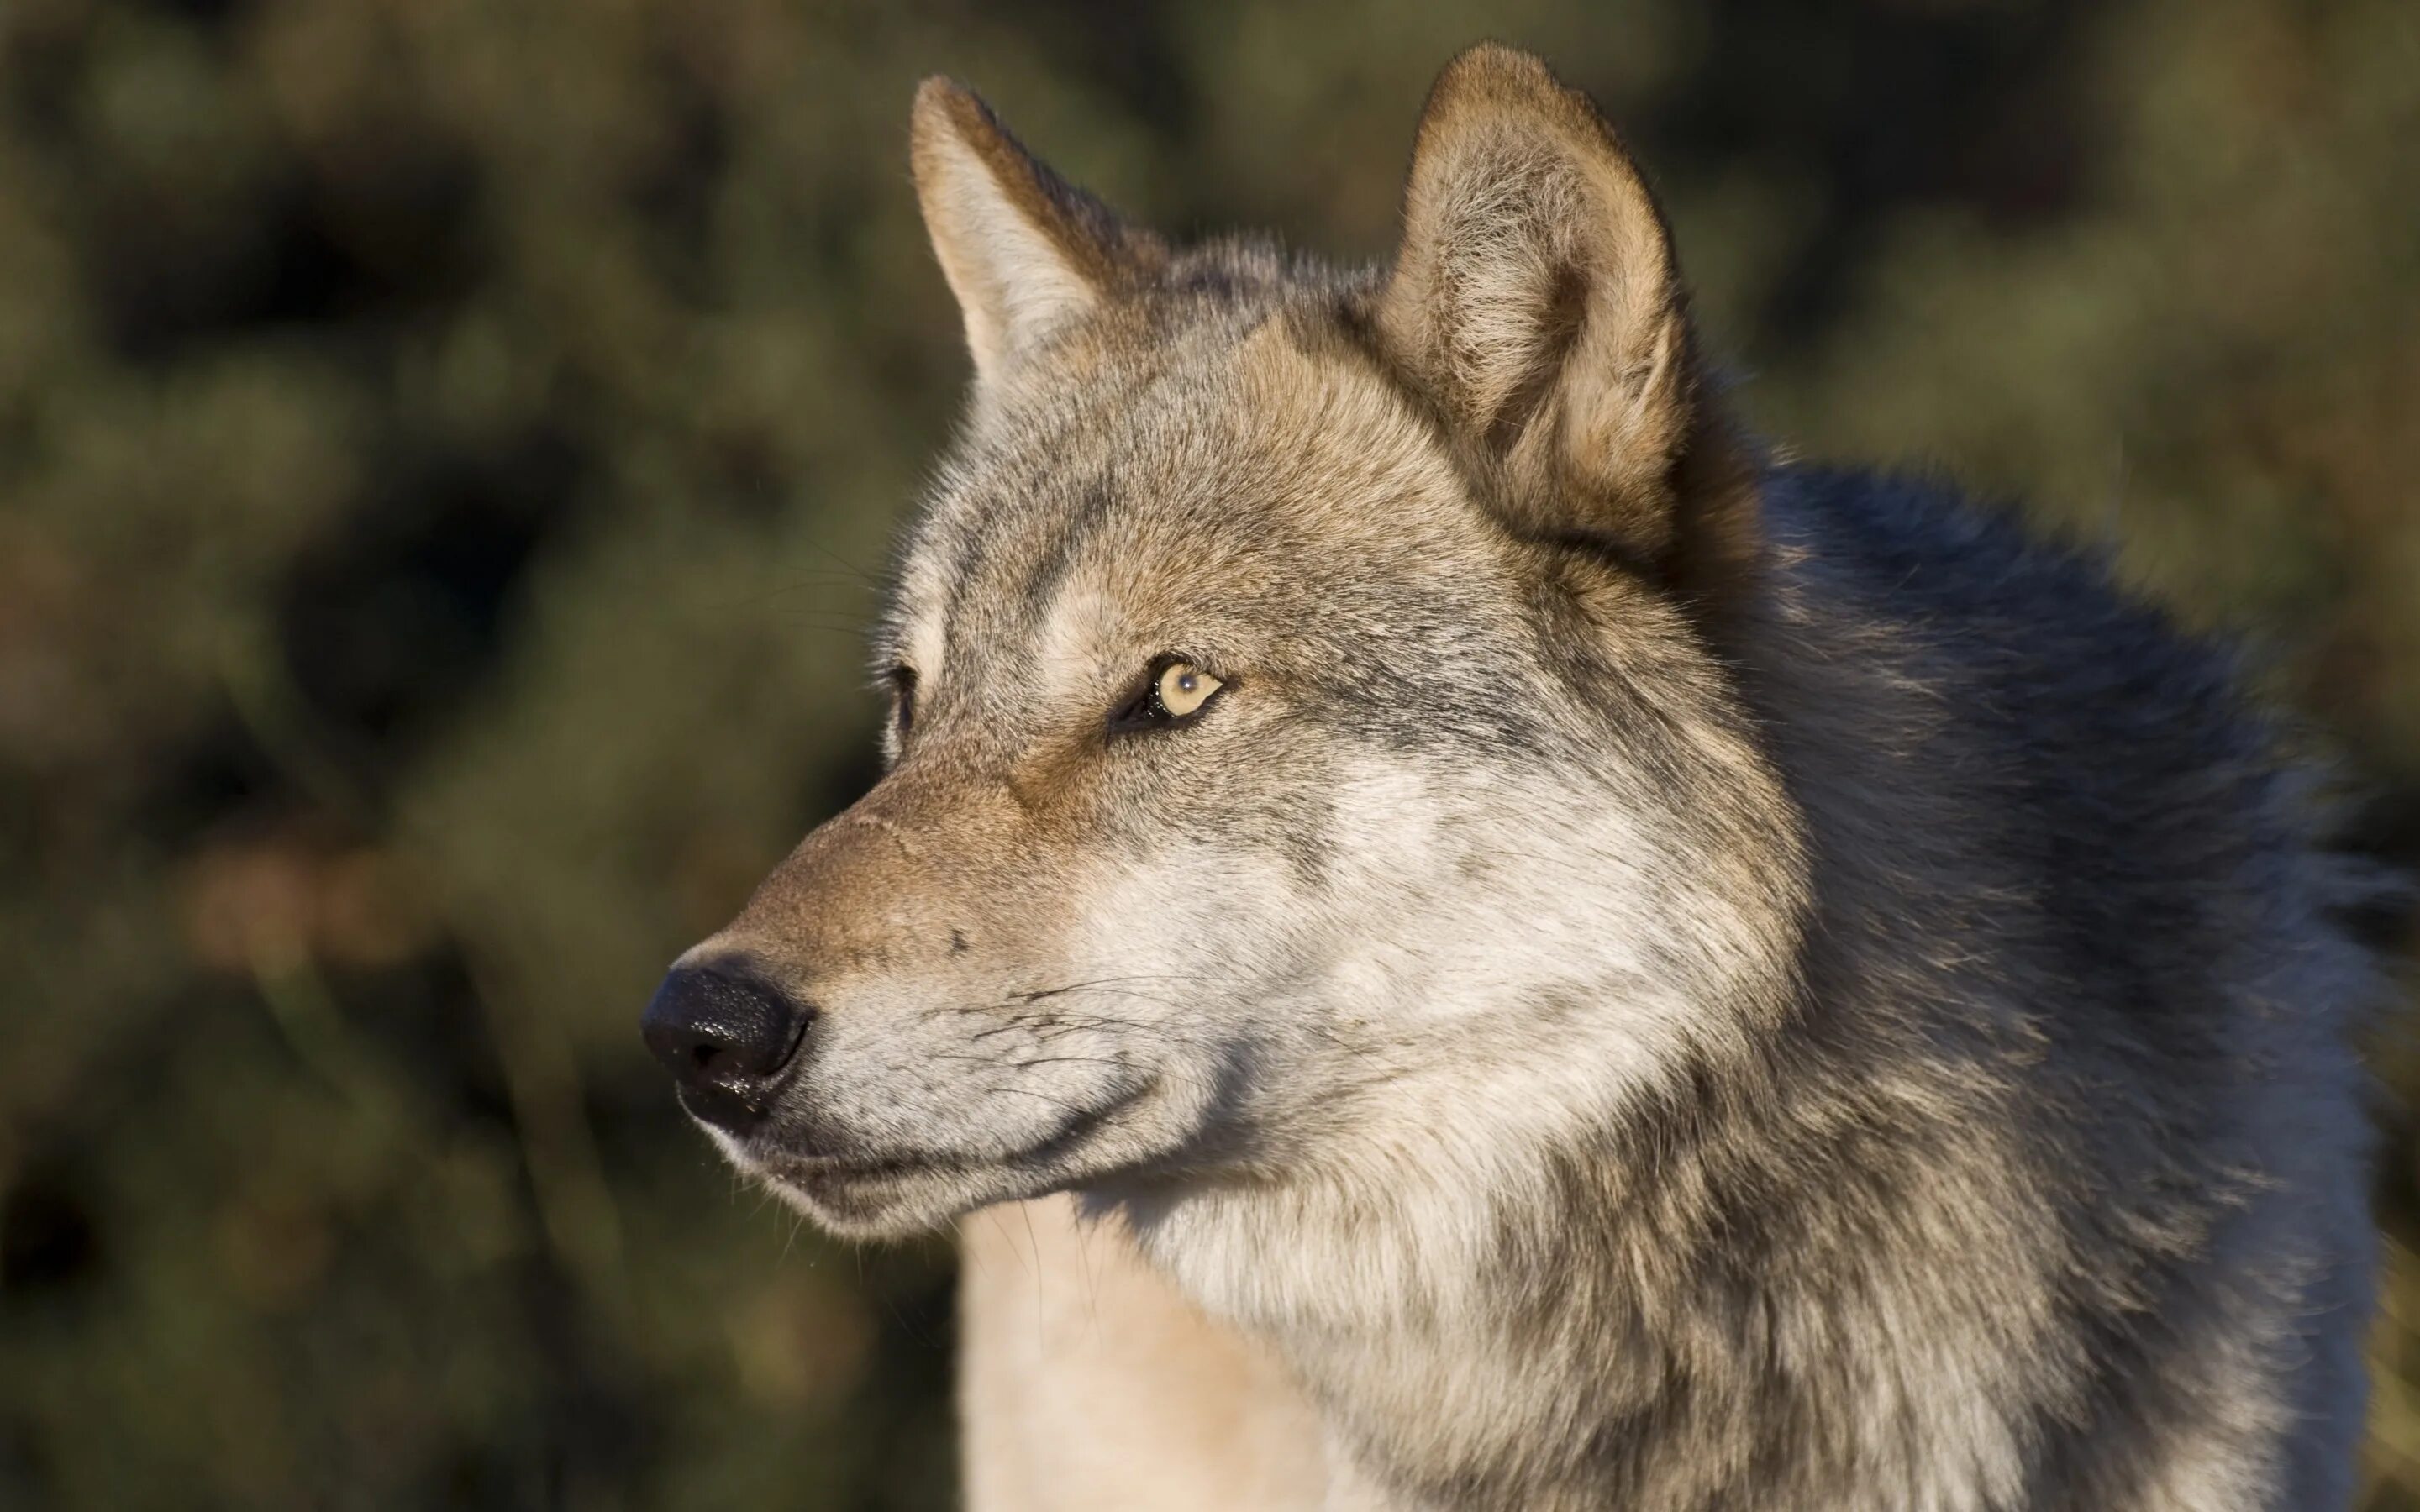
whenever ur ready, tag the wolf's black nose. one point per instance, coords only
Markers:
(723, 1034)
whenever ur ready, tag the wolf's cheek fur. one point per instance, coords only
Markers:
(1347, 967)
(1434, 1011)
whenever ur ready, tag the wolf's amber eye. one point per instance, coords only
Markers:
(1183, 689)
(1174, 691)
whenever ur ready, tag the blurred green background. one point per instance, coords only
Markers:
(448, 451)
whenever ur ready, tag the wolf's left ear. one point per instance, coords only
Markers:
(1536, 299)
(1024, 251)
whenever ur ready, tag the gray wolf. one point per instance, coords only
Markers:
(1562, 960)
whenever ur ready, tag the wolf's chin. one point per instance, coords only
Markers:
(894, 1202)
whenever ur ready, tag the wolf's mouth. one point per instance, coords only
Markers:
(827, 1177)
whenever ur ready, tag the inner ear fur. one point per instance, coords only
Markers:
(1536, 300)
(1024, 251)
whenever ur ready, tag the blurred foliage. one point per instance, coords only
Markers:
(448, 451)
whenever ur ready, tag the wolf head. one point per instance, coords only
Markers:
(1312, 765)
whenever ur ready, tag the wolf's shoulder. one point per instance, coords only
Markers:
(2032, 640)
(2008, 702)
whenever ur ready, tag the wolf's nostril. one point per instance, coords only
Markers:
(724, 1032)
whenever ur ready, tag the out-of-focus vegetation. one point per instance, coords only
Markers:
(447, 450)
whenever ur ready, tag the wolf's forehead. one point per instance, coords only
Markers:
(1266, 472)
(1011, 526)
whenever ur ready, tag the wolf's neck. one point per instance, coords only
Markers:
(1584, 1333)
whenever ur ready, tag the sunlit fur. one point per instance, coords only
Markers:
(1661, 980)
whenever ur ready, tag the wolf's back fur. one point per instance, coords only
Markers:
(1661, 978)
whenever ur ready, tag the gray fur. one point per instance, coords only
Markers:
(1665, 979)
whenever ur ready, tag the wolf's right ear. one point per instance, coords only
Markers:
(1024, 251)
(1537, 302)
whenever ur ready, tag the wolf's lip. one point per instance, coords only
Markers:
(1081, 1126)
(823, 1171)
